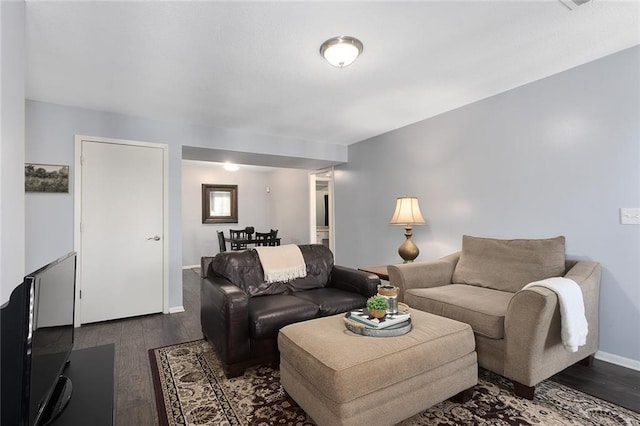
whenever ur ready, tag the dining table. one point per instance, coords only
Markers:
(253, 241)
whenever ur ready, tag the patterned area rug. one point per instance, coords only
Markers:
(191, 389)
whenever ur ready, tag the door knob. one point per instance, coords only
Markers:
(156, 238)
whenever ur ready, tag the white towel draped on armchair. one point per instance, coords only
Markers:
(572, 318)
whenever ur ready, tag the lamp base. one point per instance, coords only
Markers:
(408, 251)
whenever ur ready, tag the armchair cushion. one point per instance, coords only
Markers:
(508, 265)
(483, 309)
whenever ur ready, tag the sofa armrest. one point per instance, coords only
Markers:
(224, 316)
(431, 273)
(353, 280)
(205, 261)
(533, 341)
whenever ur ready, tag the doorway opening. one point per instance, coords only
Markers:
(321, 208)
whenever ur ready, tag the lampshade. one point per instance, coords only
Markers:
(407, 212)
(341, 51)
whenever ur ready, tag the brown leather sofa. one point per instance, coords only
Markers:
(241, 314)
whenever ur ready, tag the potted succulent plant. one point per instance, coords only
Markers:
(377, 306)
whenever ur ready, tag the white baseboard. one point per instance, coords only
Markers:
(176, 309)
(618, 360)
(190, 266)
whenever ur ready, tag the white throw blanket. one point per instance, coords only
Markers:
(282, 263)
(574, 323)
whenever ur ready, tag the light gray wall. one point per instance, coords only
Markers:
(12, 122)
(50, 132)
(290, 205)
(285, 207)
(559, 156)
(200, 239)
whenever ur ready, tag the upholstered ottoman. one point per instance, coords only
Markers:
(342, 378)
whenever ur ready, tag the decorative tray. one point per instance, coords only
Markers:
(391, 331)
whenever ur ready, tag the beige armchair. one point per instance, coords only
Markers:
(517, 331)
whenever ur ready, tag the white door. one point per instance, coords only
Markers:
(121, 231)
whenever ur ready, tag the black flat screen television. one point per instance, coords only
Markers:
(37, 339)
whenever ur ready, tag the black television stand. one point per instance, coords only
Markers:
(92, 372)
(59, 399)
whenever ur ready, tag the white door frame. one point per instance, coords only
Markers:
(325, 175)
(77, 214)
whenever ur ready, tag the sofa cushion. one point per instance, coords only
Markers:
(268, 314)
(243, 269)
(508, 265)
(332, 301)
(483, 309)
(319, 262)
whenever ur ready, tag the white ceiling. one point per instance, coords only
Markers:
(255, 66)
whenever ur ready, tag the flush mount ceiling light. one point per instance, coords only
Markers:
(573, 4)
(230, 167)
(341, 51)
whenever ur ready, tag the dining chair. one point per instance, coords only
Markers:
(238, 234)
(274, 236)
(262, 238)
(221, 241)
(266, 238)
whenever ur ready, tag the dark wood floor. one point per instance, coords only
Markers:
(133, 337)
(135, 401)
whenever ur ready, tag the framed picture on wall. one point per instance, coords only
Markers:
(46, 178)
(219, 203)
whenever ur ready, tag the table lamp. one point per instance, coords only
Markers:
(407, 213)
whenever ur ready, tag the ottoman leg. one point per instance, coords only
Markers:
(523, 391)
(462, 397)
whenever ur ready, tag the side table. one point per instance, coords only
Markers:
(380, 271)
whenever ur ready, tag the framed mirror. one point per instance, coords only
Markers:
(219, 203)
